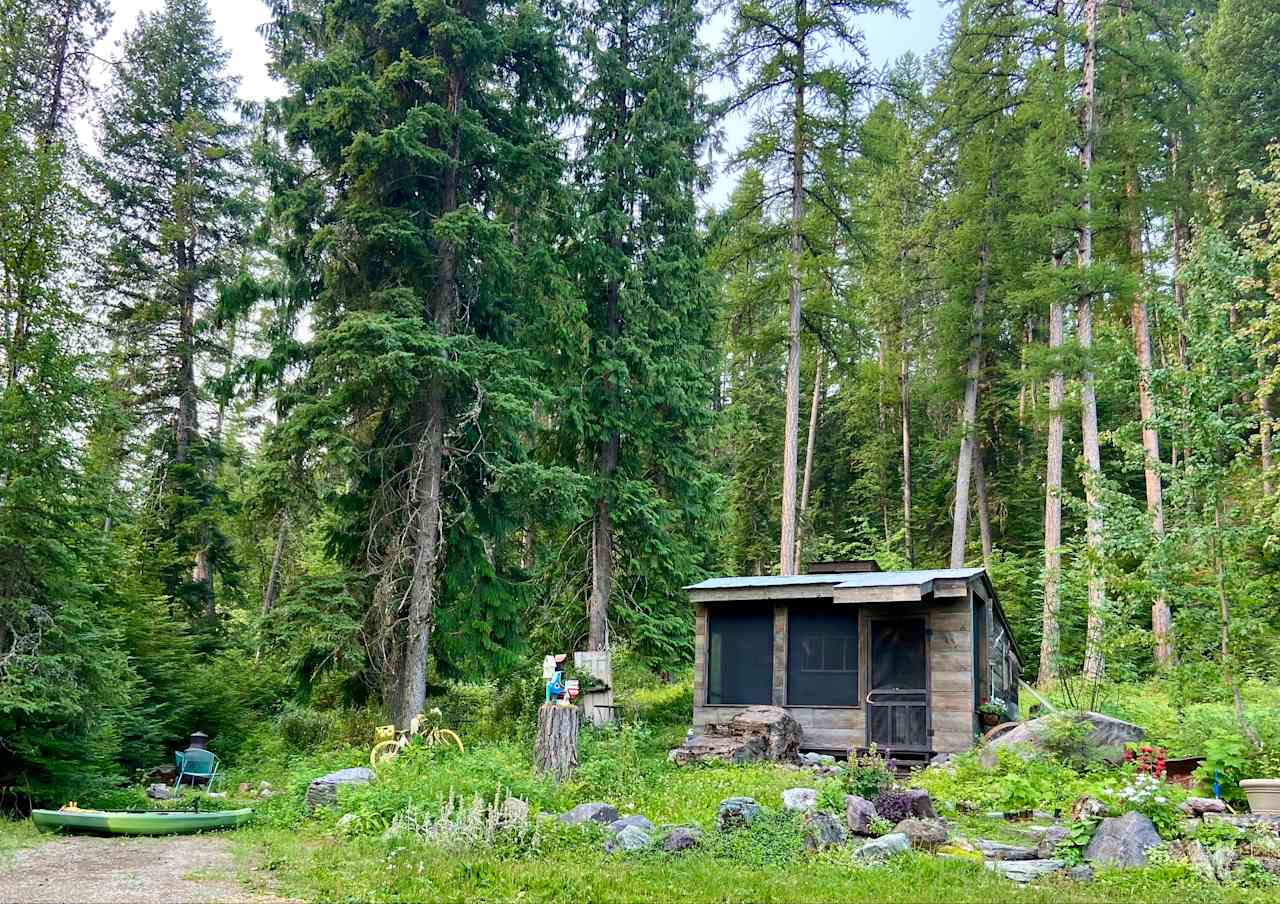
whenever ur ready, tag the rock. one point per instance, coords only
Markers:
(1244, 820)
(703, 748)
(1198, 806)
(633, 838)
(266, 786)
(923, 833)
(816, 759)
(1270, 864)
(1049, 841)
(595, 811)
(993, 814)
(323, 792)
(639, 822)
(940, 759)
(1086, 807)
(1189, 826)
(822, 830)
(1195, 855)
(1081, 872)
(1222, 859)
(1043, 814)
(883, 847)
(514, 810)
(1108, 733)
(736, 812)
(266, 793)
(244, 788)
(998, 850)
(799, 800)
(159, 792)
(347, 823)
(216, 795)
(858, 813)
(755, 733)
(682, 838)
(921, 803)
(1025, 870)
(1122, 841)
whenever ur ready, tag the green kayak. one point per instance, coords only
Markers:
(152, 822)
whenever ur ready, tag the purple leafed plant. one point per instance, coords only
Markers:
(894, 806)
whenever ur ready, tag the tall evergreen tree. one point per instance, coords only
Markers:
(639, 422)
(174, 204)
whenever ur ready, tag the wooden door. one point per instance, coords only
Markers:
(898, 685)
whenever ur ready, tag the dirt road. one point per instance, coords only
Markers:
(77, 868)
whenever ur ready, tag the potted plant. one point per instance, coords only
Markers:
(1264, 793)
(991, 714)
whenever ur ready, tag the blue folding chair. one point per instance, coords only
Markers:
(197, 764)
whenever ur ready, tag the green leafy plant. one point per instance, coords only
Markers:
(1079, 834)
(880, 826)
(991, 709)
(1069, 739)
(1153, 797)
(867, 774)
(1225, 759)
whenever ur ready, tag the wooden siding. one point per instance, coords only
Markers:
(951, 675)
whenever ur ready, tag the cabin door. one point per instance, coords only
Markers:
(898, 690)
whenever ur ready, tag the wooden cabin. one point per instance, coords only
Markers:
(859, 656)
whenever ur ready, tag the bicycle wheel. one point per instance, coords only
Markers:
(383, 752)
(444, 734)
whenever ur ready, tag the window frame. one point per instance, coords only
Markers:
(826, 607)
(764, 608)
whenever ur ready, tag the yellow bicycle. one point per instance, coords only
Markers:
(389, 742)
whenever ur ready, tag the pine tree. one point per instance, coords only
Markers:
(800, 66)
(414, 227)
(174, 204)
(640, 420)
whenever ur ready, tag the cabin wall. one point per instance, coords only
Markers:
(951, 660)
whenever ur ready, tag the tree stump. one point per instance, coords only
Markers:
(556, 749)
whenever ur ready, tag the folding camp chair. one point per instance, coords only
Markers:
(198, 764)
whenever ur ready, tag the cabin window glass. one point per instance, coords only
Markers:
(740, 656)
(822, 657)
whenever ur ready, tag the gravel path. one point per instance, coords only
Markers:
(187, 869)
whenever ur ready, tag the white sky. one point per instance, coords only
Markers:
(888, 37)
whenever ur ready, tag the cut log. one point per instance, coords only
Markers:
(555, 752)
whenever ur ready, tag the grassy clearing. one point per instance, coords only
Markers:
(15, 835)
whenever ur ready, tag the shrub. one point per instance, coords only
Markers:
(1069, 739)
(303, 728)
(459, 825)
(892, 805)
(867, 775)
(1158, 800)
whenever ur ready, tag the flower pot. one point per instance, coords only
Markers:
(1263, 794)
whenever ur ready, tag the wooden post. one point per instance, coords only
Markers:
(556, 749)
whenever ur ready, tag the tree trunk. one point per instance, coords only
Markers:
(555, 750)
(808, 453)
(968, 420)
(272, 590)
(1093, 662)
(904, 397)
(427, 466)
(1049, 636)
(791, 421)
(1264, 436)
(984, 509)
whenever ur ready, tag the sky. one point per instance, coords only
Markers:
(887, 38)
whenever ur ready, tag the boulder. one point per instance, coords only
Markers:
(639, 822)
(595, 811)
(682, 838)
(858, 813)
(755, 733)
(883, 847)
(822, 830)
(1108, 733)
(1049, 841)
(705, 748)
(323, 792)
(940, 759)
(799, 800)
(736, 812)
(1195, 855)
(1198, 806)
(1081, 872)
(1025, 870)
(514, 810)
(924, 833)
(921, 803)
(1223, 859)
(631, 838)
(1122, 841)
(998, 850)
(346, 823)
(816, 759)
(159, 792)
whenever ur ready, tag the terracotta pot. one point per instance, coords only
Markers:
(1263, 794)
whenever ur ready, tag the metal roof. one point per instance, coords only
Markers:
(855, 579)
